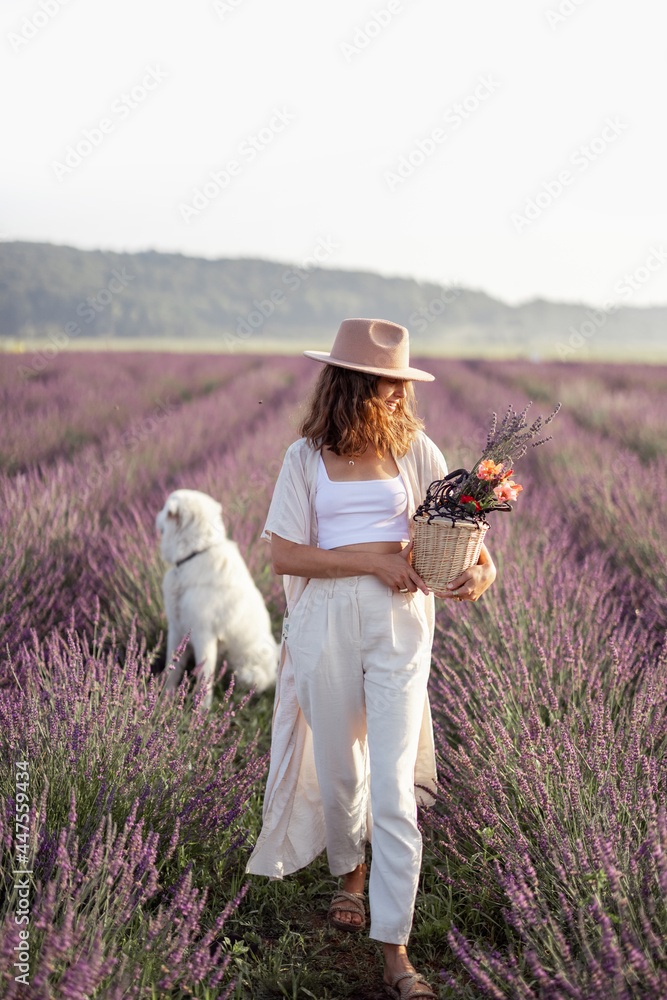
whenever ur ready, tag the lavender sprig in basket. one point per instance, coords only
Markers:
(450, 524)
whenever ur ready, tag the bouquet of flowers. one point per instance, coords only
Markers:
(451, 522)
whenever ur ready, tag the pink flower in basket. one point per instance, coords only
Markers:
(507, 490)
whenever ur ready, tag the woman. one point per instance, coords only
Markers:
(352, 735)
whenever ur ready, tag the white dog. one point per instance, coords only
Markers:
(210, 592)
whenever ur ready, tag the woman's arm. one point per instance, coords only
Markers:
(393, 569)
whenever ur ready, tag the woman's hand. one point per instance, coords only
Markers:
(471, 583)
(394, 569)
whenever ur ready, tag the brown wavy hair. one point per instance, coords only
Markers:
(345, 414)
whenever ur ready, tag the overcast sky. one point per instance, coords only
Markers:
(518, 148)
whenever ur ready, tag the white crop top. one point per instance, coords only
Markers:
(370, 510)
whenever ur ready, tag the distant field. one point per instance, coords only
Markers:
(320, 342)
(545, 857)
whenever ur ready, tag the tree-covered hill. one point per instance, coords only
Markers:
(55, 290)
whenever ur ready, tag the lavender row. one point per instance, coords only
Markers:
(548, 696)
(127, 793)
(82, 399)
(550, 828)
(86, 527)
(549, 701)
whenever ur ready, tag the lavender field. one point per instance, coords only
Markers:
(545, 856)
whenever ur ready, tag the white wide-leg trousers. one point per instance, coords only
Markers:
(361, 656)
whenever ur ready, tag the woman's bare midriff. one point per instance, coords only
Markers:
(383, 547)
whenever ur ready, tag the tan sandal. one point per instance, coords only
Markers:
(347, 902)
(406, 991)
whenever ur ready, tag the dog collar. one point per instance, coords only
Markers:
(192, 555)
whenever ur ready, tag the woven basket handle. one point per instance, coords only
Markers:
(438, 495)
(439, 501)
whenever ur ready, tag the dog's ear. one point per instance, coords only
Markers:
(173, 508)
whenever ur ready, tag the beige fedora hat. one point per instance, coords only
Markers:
(374, 346)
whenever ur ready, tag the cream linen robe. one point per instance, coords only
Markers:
(293, 830)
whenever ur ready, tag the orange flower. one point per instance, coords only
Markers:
(488, 470)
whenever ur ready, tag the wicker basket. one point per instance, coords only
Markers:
(444, 548)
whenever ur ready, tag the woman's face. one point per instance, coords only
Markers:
(391, 391)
